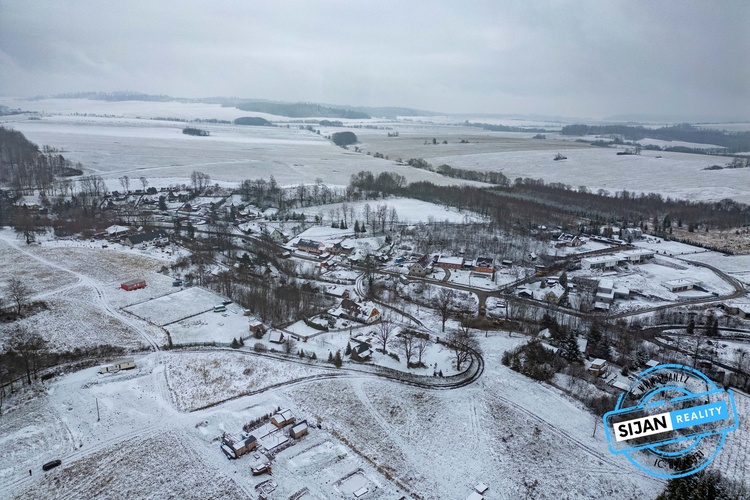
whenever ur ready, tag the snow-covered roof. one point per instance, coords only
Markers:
(276, 336)
(116, 229)
(451, 260)
(606, 284)
(620, 385)
(598, 363)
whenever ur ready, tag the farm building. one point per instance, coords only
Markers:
(311, 246)
(125, 364)
(152, 237)
(447, 262)
(282, 418)
(299, 430)
(133, 285)
(276, 337)
(681, 284)
(362, 312)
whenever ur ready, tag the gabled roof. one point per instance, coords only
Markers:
(150, 236)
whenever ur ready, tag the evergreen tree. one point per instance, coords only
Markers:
(348, 350)
(242, 342)
(330, 357)
(570, 350)
(356, 226)
(337, 361)
(314, 356)
(234, 344)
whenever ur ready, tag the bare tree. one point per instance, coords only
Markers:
(125, 182)
(443, 303)
(463, 343)
(19, 293)
(420, 347)
(144, 183)
(392, 217)
(384, 331)
(405, 342)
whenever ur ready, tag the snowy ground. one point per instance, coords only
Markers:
(199, 379)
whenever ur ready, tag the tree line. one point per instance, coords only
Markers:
(734, 142)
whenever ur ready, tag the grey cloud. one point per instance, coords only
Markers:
(586, 58)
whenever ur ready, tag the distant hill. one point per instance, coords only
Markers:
(279, 108)
(300, 110)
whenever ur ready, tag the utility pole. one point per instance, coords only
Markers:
(97, 409)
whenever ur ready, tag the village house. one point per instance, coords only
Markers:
(421, 267)
(280, 236)
(682, 284)
(361, 351)
(484, 265)
(599, 262)
(362, 312)
(568, 240)
(598, 367)
(311, 246)
(257, 328)
(630, 234)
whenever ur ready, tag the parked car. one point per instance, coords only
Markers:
(51, 465)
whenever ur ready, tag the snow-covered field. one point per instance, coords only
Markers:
(131, 146)
(199, 379)
(678, 175)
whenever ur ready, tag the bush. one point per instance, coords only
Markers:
(260, 347)
(394, 356)
(533, 360)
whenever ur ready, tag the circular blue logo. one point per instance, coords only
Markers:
(672, 422)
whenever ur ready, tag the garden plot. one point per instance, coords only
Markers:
(176, 306)
(219, 327)
(198, 380)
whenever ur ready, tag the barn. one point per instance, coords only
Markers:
(133, 285)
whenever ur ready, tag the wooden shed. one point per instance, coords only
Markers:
(299, 430)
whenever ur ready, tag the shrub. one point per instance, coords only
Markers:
(260, 347)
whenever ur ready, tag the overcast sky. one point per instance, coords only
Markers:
(568, 58)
